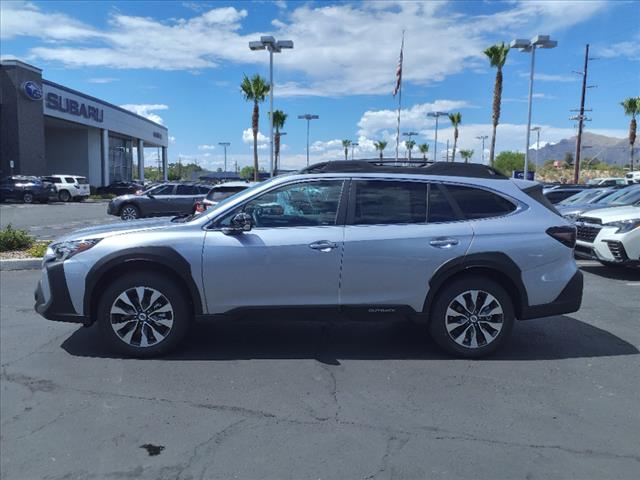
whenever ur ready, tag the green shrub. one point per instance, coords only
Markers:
(12, 239)
(38, 249)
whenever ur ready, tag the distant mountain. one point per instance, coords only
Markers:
(614, 151)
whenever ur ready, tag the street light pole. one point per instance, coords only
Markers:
(308, 117)
(435, 144)
(225, 145)
(537, 130)
(483, 138)
(269, 43)
(539, 41)
(353, 146)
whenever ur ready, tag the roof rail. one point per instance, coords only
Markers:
(455, 169)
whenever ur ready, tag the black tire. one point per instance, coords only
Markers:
(129, 212)
(141, 330)
(64, 196)
(488, 336)
(27, 197)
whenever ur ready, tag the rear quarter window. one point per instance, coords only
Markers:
(476, 203)
(69, 180)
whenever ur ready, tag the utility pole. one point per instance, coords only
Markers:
(576, 162)
(483, 138)
(225, 145)
(447, 149)
(353, 146)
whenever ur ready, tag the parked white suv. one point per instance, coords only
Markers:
(70, 187)
(610, 235)
(633, 177)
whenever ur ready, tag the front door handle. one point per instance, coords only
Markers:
(323, 245)
(443, 242)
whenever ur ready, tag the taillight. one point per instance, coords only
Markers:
(566, 235)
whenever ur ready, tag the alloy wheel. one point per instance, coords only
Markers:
(129, 213)
(27, 198)
(141, 316)
(474, 319)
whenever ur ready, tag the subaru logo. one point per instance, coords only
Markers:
(32, 90)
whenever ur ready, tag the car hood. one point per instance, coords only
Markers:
(128, 196)
(573, 209)
(615, 214)
(118, 228)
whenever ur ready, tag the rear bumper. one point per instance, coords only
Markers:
(52, 299)
(568, 301)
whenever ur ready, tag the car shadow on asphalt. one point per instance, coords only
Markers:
(553, 338)
(613, 273)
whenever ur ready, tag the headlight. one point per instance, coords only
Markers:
(624, 226)
(65, 250)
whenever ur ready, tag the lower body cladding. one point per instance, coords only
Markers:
(57, 298)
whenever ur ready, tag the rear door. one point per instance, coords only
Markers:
(398, 233)
(185, 197)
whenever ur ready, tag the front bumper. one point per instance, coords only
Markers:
(52, 299)
(569, 300)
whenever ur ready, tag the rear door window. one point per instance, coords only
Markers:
(69, 180)
(380, 202)
(186, 190)
(162, 190)
(440, 208)
(476, 203)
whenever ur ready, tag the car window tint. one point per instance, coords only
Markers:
(203, 190)
(69, 180)
(218, 194)
(82, 180)
(186, 190)
(162, 190)
(440, 209)
(297, 205)
(388, 202)
(477, 203)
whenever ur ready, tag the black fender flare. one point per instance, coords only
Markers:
(165, 257)
(488, 261)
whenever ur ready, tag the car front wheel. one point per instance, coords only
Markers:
(472, 317)
(27, 197)
(129, 212)
(143, 314)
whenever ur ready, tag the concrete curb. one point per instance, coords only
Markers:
(20, 264)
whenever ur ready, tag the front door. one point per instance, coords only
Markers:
(291, 257)
(390, 250)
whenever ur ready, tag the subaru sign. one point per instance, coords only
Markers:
(32, 90)
(74, 107)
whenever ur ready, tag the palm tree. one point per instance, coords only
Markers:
(455, 119)
(346, 144)
(255, 89)
(381, 145)
(497, 56)
(279, 119)
(466, 154)
(424, 149)
(631, 107)
(410, 144)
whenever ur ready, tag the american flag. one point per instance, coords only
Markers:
(399, 69)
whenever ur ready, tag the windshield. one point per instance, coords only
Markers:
(228, 200)
(619, 196)
(219, 194)
(628, 198)
(582, 197)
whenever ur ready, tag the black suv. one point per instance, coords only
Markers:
(165, 199)
(25, 189)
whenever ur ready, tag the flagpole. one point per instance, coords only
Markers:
(399, 95)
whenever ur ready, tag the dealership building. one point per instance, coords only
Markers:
(47, 128)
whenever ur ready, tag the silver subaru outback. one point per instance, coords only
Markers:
(458, 247)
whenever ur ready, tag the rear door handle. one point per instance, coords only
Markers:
(323, 245)
(443, 242)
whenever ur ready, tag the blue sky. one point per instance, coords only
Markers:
(181, 63)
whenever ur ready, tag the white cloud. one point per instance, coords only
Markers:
(354, 47)
(146, 110)
(374, 122)
(247, 137)
(102, 80)
(627, 49)
(172, 139)
(206, 147)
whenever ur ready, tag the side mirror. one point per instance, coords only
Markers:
(240, 222)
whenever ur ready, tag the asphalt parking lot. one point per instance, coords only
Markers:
(48, 221)
(316, 400)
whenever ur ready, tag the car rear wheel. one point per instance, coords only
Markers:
(27, 197)
(143, 314)
(64, 196)
(129, 212)
(472, 317)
